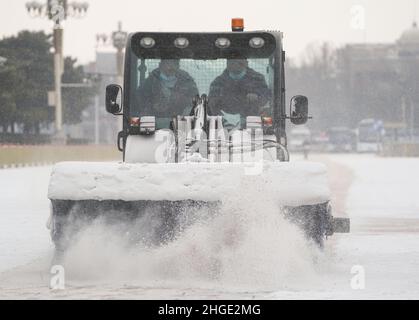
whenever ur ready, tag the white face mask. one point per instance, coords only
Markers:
(168, 81)
(237, 76)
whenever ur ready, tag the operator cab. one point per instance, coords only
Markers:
(167, 71)
(238, 75)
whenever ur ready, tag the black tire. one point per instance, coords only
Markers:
(314, 220)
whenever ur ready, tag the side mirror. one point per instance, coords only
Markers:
(299, 110)
(114, 99)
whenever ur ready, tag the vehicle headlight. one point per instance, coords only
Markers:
(222, 43)
(257, 42)
(147, 42)
(181, 43)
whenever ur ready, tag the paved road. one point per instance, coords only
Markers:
(377, 194)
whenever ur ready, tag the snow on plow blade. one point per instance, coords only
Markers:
(121, 190)
(292, 184)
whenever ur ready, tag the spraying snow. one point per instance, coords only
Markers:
(248, 245)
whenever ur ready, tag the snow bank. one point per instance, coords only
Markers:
(23, 213)
(292, 183)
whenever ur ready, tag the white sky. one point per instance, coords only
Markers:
(302, 21)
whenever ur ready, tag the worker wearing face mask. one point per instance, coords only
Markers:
(167, 92)
(238, 90)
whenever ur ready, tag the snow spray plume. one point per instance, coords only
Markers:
(247, 244)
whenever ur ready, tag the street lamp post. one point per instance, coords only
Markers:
(57, 11)
(118, 39)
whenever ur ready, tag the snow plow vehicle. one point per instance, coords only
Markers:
(204, 117)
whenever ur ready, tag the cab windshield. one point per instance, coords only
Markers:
(237, 84)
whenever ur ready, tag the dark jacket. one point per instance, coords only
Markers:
(231, 95)
(155, 100)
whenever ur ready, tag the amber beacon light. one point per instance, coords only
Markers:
(237, 24)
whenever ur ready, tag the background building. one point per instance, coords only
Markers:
(381, 81)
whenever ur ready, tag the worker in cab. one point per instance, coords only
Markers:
(167, 92)
(238, 90)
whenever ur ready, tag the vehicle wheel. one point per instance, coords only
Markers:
(314, 220)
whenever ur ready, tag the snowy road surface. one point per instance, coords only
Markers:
(379, 195)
